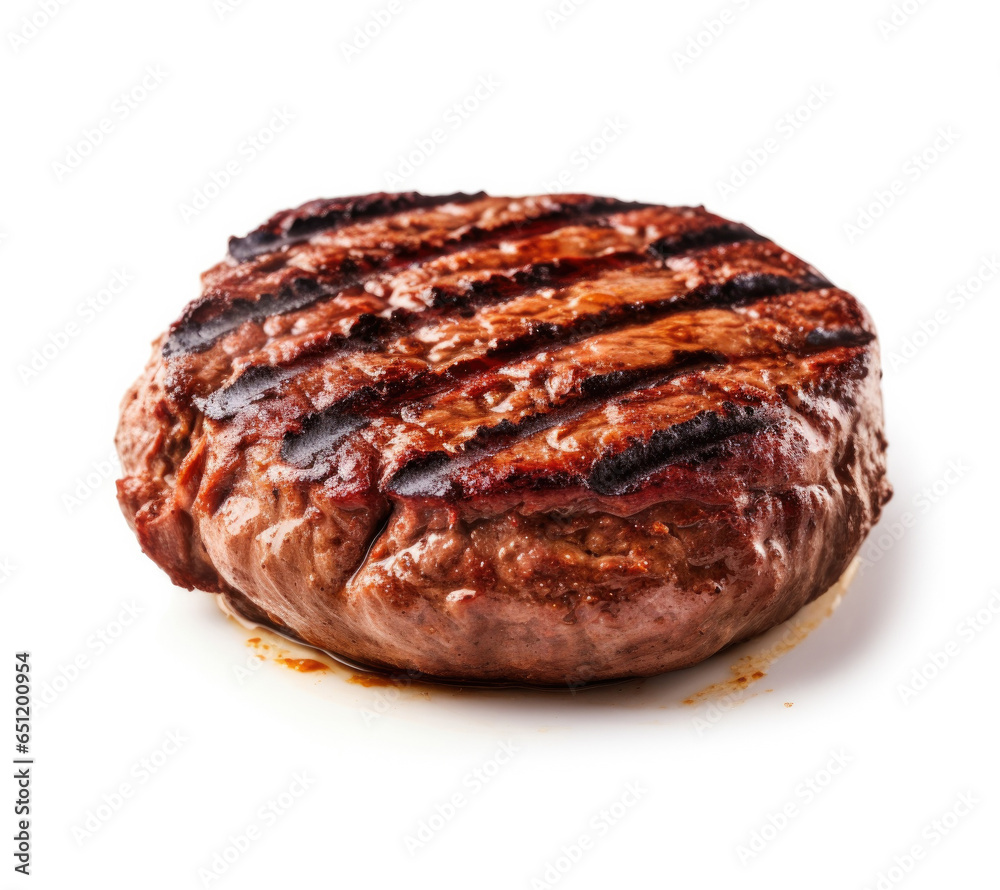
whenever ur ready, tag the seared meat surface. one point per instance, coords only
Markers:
(545, 440)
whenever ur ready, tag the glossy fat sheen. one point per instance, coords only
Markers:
(544, 440)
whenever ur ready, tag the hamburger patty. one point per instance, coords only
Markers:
(545, 440)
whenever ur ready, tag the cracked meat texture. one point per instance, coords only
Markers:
(544, 440)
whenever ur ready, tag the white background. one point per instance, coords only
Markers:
(379, 764)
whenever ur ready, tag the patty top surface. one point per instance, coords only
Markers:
(558, 352)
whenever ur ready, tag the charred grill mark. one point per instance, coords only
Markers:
(748, 287)
(425, 476)
(700, 239)
(824, 338)
(310, 443)
(293, 226)
(250, 386)
(327, 428)
(195, 334)
(209, 319)
(370, 329)
(693, 440)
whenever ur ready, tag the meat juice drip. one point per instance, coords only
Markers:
(303, 665)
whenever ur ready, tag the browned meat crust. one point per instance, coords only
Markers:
(543, 440)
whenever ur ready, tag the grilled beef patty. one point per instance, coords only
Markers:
(546, 440)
